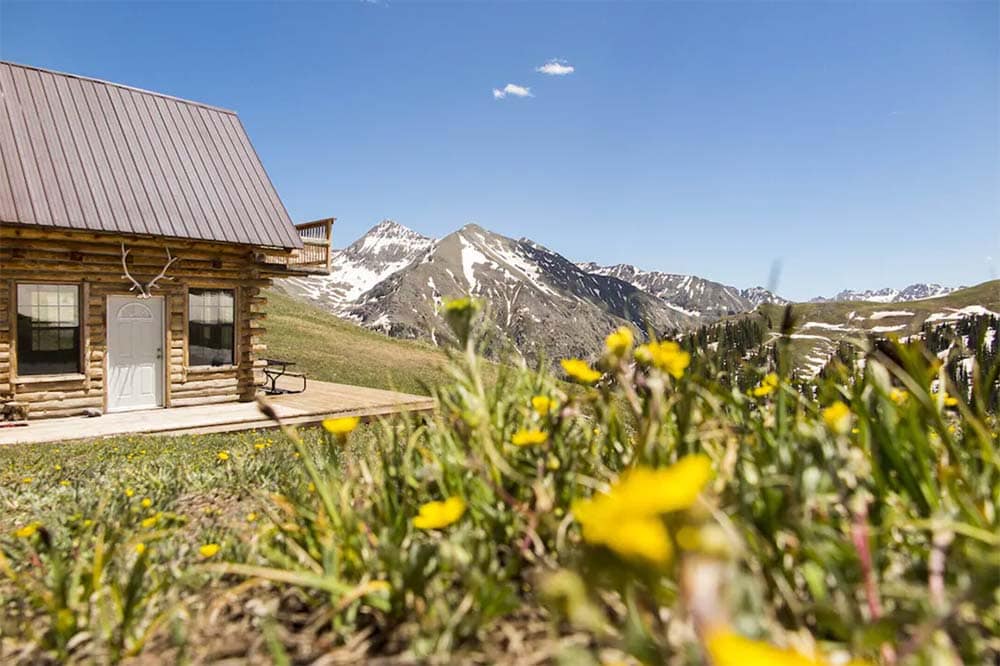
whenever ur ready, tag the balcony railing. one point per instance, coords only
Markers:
(314, 257)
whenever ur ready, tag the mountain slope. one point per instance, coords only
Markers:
(821, 327)
(913, 292)
(689, 294)
(540, 304)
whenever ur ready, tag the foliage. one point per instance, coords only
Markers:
(654, 512)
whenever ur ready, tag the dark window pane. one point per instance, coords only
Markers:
(210, 327)
(48, 329)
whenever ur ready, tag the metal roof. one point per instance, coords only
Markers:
(79, 153)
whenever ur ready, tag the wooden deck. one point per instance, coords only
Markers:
(322, 400)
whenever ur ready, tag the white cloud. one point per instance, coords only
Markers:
(556, 67)
(511, 89)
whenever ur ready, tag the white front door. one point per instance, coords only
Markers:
(135, 353)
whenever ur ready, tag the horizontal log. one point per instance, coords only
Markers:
(228, 390)
(202, 400)
(24, 232)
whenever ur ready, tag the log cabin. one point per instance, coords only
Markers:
(137, 231)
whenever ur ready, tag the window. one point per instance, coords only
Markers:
(48, 329)
(210, 327)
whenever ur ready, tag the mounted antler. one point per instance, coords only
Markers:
(152, 283)
(144, 290)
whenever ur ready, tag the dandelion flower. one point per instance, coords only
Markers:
(619, 342)
(208, 550)
(898, 396)
(730, 649)
(27, 531)
(341, 426)
(458, 305)
(64, 482)
(627, 519)
(140, 548)
(146, 502)
(542, 404)
(837, 418)
(435, 515)
(222, 455)
(767, 385)
(667, 356)
(27, 479)
(150, 522)
(129, 492)
(529, 437)
(251, 517)
(950, 401)
(580, 371)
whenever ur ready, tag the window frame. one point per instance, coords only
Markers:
(234, 362)
(81, 362)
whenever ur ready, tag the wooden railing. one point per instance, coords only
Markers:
(314, 257)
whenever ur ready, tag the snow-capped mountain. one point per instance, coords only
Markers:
(540, 303)
(914, 292)
(384, 250)
(690, 294)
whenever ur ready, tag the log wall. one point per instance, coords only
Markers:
(93, 261)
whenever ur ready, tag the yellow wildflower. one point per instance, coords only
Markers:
(222, 455)
(667, 356)
(837, 418)
(208, 550)
(435, 515)
(580, 371)
(140, 548)
(627, 520)
(767, 386)
(260, 446)
(730, 649)
(251, 517)
(146, 502)
(28, 530)
(529, 437)
(151, 521)
(898, 396)
(129, 492)
(378, 586)
(27, 479)
(619, 342)
(64, 482)
(341, 426)
(542, 404)
(458, 304)
(950, 401)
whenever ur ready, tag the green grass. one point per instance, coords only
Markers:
(331, 349)
(656, 517)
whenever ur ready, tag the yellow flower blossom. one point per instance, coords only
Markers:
(27, 531)
(208, 550)
(64, 482)
(146, 503)
(767, 386)
(341, 426)
(898, 396)
(129, 492)
(619, 342)
(529, 437)
(667, 356)
(837, 418)
(435, 515)
(458, 304)
(579, 370)
(27, 479)
(542, 404)
(730, 649)
(222, 455)
(950, 401)
(251, 517)
(140, 548)
(151, 521)
(627, 519)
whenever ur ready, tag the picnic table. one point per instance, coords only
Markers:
(277, 368)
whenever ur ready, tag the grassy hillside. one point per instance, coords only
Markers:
(331, 349)
(819, 327)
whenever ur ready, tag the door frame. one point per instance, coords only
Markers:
(163, 377)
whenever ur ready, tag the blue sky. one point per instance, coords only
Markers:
(855, 144)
